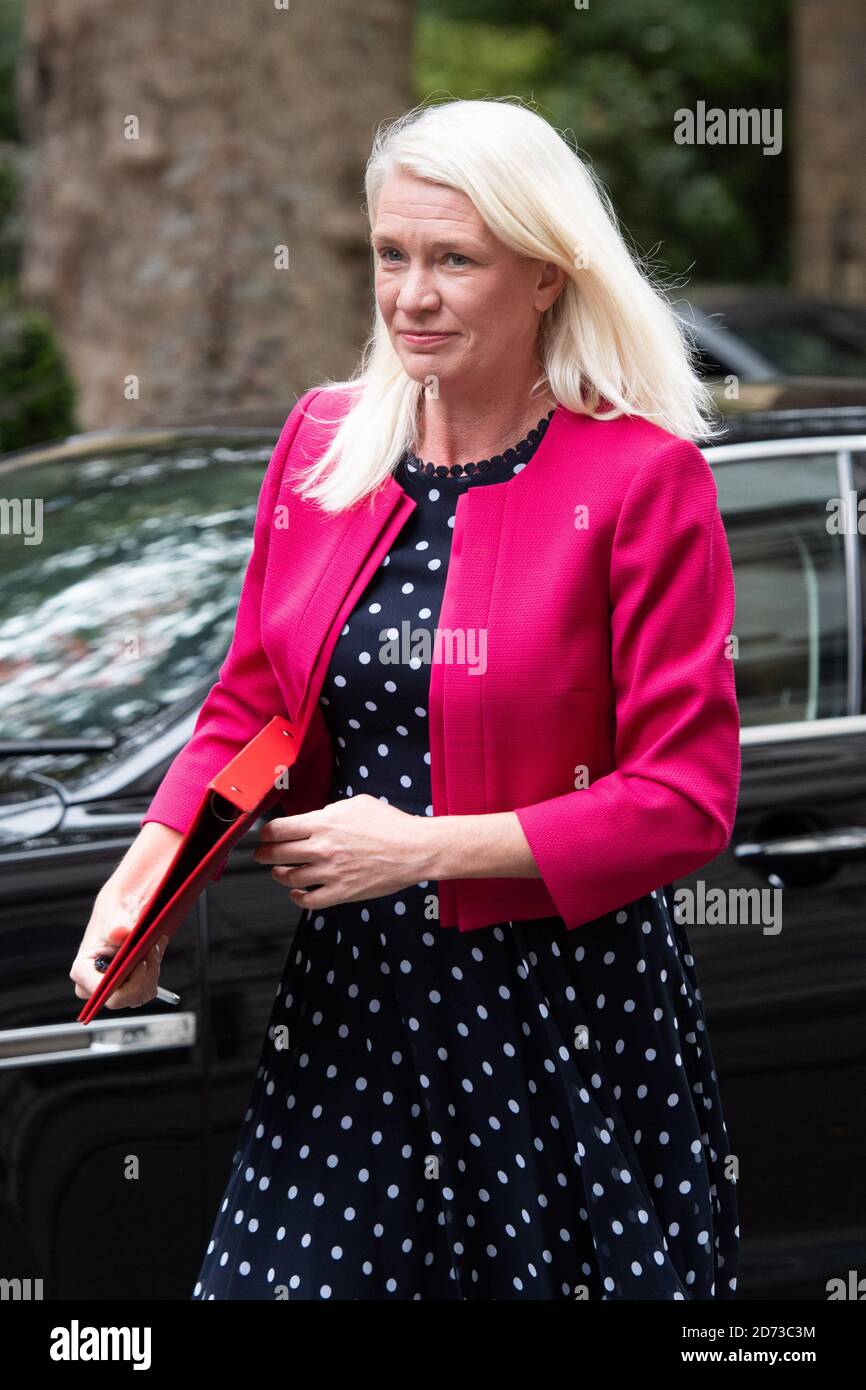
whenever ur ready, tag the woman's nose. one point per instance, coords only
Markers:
(417, 292)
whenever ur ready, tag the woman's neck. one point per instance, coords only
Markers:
(457, 430)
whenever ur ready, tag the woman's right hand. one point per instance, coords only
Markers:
(115, 912)
(107, 929)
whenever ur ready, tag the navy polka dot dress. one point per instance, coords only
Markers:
(517, 1112)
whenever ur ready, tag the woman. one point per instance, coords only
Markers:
(524, 1107)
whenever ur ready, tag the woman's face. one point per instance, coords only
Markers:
(441, 271)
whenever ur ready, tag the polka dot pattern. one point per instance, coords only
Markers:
(518, 1112)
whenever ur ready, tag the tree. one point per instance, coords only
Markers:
(193, 210)
(829, 139)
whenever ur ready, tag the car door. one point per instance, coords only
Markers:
(109, 623)
(101, 1137)
(785, 986)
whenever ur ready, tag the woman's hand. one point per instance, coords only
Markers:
(354, 849)
(115, 912)
(107, 929)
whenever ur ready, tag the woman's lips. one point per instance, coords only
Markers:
(425, 338)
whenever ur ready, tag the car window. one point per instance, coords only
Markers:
(791, 617)
(121, 600)
(803, 340)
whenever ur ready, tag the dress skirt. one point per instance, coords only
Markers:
(515, 1112)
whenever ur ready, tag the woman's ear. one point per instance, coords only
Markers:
(550, 284)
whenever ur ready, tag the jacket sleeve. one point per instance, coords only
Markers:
(246, 694)
(669, 806)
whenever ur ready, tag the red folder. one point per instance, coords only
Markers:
(233, 800)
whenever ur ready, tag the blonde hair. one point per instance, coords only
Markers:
(610, 344)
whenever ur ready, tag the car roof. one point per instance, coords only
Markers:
(791, 407)
(788, 408)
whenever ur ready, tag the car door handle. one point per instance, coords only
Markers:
(845, 842)
(72, 1042)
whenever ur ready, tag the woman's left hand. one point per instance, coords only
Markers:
(356, 848)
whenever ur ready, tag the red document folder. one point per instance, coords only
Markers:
(246, 788)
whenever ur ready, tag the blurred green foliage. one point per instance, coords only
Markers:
(10, 145)
(37, 396)
(11, 19)
(613, 75)
(36, 392)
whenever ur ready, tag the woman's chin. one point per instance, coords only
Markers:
(420, 366)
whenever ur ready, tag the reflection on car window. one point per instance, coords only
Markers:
(126, 603)
(789, 569)
(804, 340)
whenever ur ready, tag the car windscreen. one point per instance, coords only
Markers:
(120, 575)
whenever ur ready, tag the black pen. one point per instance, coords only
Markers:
(166, 995)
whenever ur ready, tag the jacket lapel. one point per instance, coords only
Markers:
(349, 550)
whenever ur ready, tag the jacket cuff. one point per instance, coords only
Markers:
(599, 849)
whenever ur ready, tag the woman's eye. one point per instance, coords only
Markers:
(386, 252)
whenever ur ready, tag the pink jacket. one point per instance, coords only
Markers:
(606, 716)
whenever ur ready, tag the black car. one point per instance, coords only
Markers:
(117, 599)
(763, 334)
